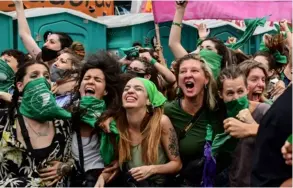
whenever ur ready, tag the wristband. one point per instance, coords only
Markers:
(153, 61)
(177, 24)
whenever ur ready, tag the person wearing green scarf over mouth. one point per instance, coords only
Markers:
(241, 125)
(148, 148)
(94, 150)
(35, 134)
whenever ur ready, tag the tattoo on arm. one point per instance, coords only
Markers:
(173, 143)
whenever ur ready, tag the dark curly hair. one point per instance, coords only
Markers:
(18, 55)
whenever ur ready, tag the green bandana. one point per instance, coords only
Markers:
(213, 60)
(106, 146)
(38, 102)
(233, 109)
(130, 52)
(6, 76)
(95, 108)
(156, 98)
(251, 25)
(277, 55)
(235, 106)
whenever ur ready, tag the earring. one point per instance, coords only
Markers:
(105, 93)
(205, 86)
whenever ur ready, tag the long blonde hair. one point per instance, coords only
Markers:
(151, 131)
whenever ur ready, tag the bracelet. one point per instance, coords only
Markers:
(153, 61)
(177, 24)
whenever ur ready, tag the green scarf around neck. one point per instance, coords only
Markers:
(213, 60)
(93, 109)
(6, 76)
(156, 98)
(224, 139)
(38, 102)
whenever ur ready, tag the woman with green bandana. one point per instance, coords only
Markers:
(241, 125)
(148, 148)
(211, 44)
(98, 90)
(256, 77)
(64, 75)
(35, 140)
(192, 113)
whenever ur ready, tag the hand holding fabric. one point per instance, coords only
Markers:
(236, 128)
(245, 116)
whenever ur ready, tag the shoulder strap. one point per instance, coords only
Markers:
(24, 133)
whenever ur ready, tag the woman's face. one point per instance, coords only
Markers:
(191, 78)
(233, 89)
(208, 45)
(256, 84)
(33, 72)
(138, 67)
(53, 42)
(63, 62)
(11, 61)
(134, 95)
(93, 84)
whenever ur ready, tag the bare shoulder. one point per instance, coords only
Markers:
(166, 124)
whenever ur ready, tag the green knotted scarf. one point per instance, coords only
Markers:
(251, 25)
(6, 76)
(213, 60)
(38, 102)
(233, 109)
(94, 108)
(156, 98)
(277, 55)
(129, 52)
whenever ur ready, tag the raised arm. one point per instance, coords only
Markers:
(175, 34)
(24, 30)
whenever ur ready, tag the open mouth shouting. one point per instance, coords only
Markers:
(130, 98)
(189, 85)
(89, 91)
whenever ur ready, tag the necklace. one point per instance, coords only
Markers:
(39, 134)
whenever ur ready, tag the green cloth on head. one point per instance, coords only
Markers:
(6, 76)
(233, 109)
(106, 146)
(277, 55)
(251, 25)
(129, 52)
(94, 108)
(38, 102)
(213, 60)
(156, 98)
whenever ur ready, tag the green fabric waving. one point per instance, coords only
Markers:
(251, 25)
(289, 139)
(94, 108)
(233, 109)
(156, 98)
(6, 76)
(129, 52)
(38, 102)
(213, 60)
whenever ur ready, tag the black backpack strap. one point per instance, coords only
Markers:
(24, 133)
